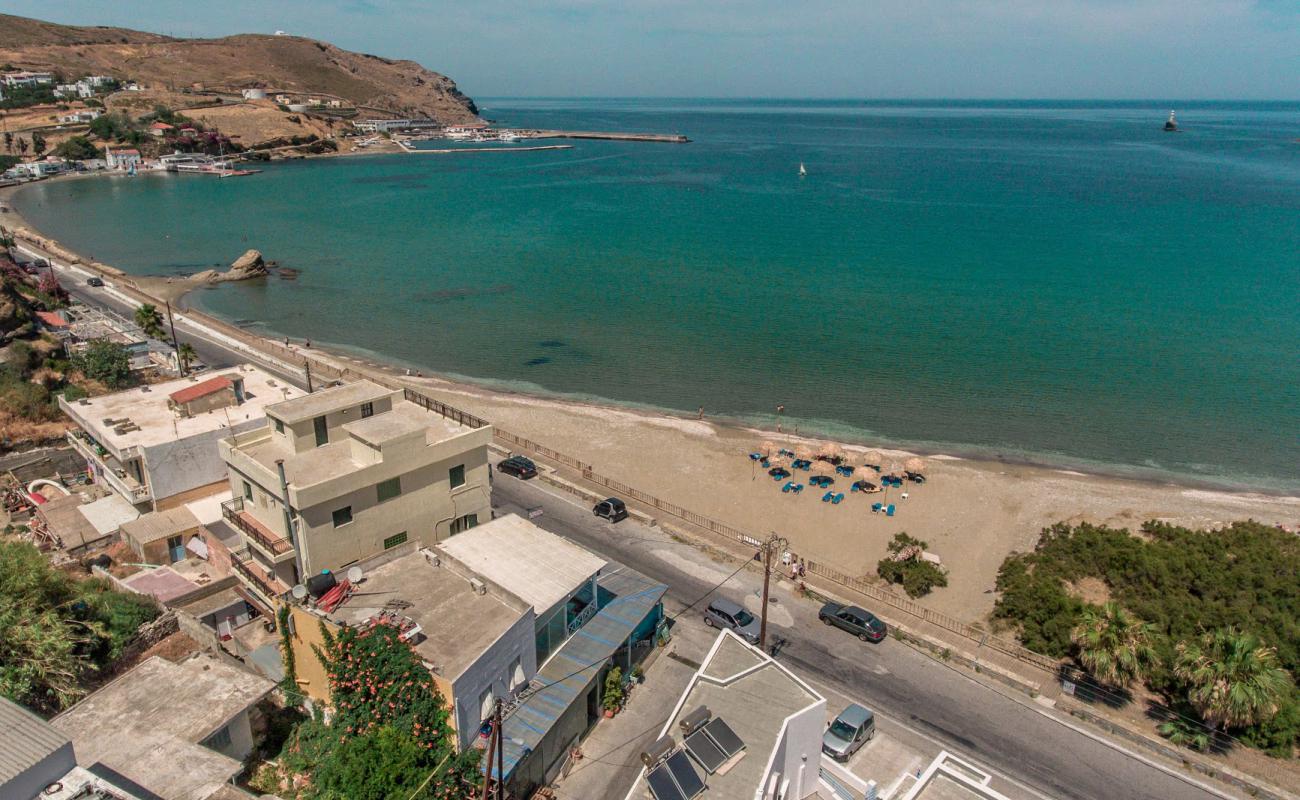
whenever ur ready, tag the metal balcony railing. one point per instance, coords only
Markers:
(272, 588)
(113, 472)
(233, 512)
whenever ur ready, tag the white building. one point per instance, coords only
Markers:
(254, 94)
(25, 79)
(78, 117)
(775, 719)
(122, 158)
(157, 445)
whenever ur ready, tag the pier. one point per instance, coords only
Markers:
(669, 138)
(448, 150)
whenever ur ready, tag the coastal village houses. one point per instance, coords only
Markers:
(156, 445)
(337, 476)
(121, 158)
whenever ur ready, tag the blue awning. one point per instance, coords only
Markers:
(571, 669)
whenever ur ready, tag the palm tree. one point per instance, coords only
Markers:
(1233, 680)
(149, 320)
(187, 355)
(1113, 645)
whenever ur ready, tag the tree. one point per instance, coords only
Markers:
(187, 355)
(1232, 678)
(149, 320)
(22, 146)
(106, 362)
(76, 148)
(906, 567)
(9, 142)
(38, 143)
(1113, 645)
(55, 631)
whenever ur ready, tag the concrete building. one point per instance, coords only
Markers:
(145, 445)
(589, 615)
(38, 761)
(337, 476)
(181, 731)
(123, 158)
(24, 79)
(254, 94)
(76, 117)
(474, 637)
(161, 537)
(778, 719)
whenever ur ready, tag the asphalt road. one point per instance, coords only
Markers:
(1017, 739)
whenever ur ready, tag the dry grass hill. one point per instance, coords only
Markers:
(288, 64)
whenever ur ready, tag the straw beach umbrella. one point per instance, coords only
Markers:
(872, 458)
(893, 469)
(869, 477)
(831, 452)
(803, 452)
(778, 461)
(767, 448)
(914, 466)
(823, 468)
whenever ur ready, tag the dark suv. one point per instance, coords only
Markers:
(860, 623)
(611, 508)
(518, 466)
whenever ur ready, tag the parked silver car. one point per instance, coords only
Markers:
(722, 613)
(853, 728)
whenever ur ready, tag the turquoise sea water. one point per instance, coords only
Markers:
(1058, 281)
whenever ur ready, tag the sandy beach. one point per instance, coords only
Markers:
(972, 513)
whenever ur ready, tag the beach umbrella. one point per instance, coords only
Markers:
(893, 469)
(776, 461)
(872, 458)
(803, 452)
(869, 477)
(831, 452)
(823, 468)
(914, 465)
(767, 448)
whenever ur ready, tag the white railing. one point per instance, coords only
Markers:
(126, 486)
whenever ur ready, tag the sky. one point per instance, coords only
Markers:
(1069, 49)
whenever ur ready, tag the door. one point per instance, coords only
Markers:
(176, 549)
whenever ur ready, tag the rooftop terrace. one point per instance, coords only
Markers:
(152, 421)
(323, 402)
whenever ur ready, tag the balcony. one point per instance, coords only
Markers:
(263, 581)
(272, 545)
(108, 467)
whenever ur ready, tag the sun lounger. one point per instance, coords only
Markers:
(798, 487)
(856, 487)
(889, 510)
(875, 507)
(826, 498)
(787, 486)
(836, 500)
(755, 456)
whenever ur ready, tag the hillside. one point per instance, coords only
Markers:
(289, 64)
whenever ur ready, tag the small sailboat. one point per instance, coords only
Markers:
(803, 171)
(1171, 125)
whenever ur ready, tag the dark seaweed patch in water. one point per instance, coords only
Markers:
(552, 343)
(463, 293)
(537, 362)
(407, 179)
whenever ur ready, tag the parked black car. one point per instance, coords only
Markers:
(94, 281)
(611, 508)
(862, 624)
(518, 466)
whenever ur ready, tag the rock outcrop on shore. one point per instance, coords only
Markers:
(248, 266)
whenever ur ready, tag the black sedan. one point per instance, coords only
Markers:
(518, 466)
(862, 624)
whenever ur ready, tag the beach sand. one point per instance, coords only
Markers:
(971, 512)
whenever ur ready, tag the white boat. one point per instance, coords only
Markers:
(1171, 124)
(803, 172)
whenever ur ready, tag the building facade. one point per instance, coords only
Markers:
(338, 476)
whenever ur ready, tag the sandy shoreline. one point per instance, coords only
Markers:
(972, 511)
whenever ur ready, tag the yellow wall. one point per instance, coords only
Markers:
(312, 679)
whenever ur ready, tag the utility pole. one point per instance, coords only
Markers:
(487, 769)
(306, 362)
(176, 348)
(501, 755)
(772, 544)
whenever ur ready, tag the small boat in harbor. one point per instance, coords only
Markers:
(1171, 125)
(803, 172)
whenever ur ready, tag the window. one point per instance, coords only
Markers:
(516, 674)
(342, 516)
(367, 410)
(279, 425)
(219, 740)
(394, 541)
(486, 703)
(462, 524)
(322, 432)
(390, 488)
(248, 490)
(457, 475)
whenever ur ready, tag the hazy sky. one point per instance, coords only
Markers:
(1159, 49)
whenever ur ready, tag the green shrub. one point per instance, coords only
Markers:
(917, 576)
(106, 362)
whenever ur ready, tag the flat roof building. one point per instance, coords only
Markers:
(181, 730)
(776, 719)
(338, 476)
(158, 453)
(476, 639)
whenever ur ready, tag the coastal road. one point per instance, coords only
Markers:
(1028, 744)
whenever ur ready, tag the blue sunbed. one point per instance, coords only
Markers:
(889, 510)
(826, 498)
(797, 488)
(875, 507)
(836, 500)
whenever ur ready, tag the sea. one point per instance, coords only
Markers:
(1054, 282)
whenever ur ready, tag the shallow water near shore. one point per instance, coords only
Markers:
(1053, 282)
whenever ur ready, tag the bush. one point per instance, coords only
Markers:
(917, 577)
(106, 362)
(77, 148)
